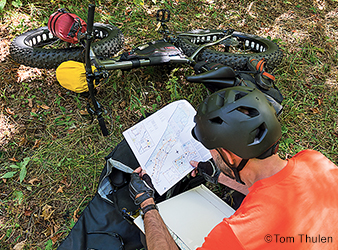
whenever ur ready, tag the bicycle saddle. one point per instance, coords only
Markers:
(219, 76)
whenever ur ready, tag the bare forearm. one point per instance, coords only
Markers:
(157, 234)
(231, 183)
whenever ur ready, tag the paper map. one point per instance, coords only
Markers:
(163, 144)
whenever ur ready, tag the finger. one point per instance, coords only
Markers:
(138, 170)
(147, 179)
(138, 195)
(194, 163)
(194, 173)
(143, 172)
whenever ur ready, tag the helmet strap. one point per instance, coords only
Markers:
(271, 151)
(235, 169)
(239, 168)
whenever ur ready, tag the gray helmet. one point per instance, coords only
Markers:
(239, 119)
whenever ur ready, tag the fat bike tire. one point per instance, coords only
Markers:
(30, 49)
(257, 46)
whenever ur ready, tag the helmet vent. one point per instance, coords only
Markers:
(251, 112)
(216, 120)
(260, 133)
(240, 95)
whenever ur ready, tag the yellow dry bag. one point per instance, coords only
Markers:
(72, 75)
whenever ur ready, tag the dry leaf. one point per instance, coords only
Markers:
(44, 106)
(36, 144)
(47, 212)
(75, 215)
(9, 111)
(13, 159)
(20, 245)
(28, 212)
(60, 190)
(30, 103)
(34, 110)
(31, 181)
(70, 131)
(122, 104)
(56, 237)
(64, 181)
(48, 232)
(315, 110)
(56, 228)
(4, 180)
(22, 141)
(84, 112)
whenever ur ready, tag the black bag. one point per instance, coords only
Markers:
(106, 222)
(102, 225)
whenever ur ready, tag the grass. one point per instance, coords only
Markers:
(41, 120)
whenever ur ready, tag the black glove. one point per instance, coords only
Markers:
(209, 171)
(139, 186)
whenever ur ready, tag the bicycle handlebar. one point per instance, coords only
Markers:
(89, 38)
(89, 72)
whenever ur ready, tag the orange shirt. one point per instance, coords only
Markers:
(297, 208)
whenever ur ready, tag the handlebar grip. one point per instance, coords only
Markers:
(103, 126)
(90, 19)
(90, 24)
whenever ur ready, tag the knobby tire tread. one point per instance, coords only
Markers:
(273, 54)
(45, 58)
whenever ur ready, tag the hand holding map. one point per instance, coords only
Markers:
(163, 144)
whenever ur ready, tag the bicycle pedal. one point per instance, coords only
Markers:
(163, 15)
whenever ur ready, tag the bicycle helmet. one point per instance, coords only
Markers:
(239, 119)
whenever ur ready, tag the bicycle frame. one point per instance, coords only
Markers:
(160, 52)
(163, 16)
(115, 63)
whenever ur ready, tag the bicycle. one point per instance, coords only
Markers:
(215, 69)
